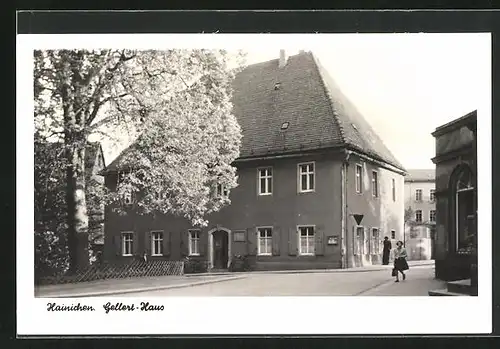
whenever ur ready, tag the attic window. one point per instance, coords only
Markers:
(277, 85)
(285, 125)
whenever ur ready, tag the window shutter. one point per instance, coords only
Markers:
(292, 242)
(319, 241)
(202, 242)
(184, 243)
(147, 243)
(117, 242)
(135, 244)
(355, 241)
(276, 241)
(252, 241)
(166, 243)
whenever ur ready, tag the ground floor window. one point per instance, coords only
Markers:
(156, 243)
(127, 243)
(375, 241)
(265, 239)
(359, 238)
(194, 242)
(306, 239)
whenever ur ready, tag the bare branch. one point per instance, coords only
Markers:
(99, 104)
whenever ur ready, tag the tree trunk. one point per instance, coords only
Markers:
(78, 223)
(74, 141)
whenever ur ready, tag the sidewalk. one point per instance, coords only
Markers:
(418, 283)
(377, 267)
(120, 286)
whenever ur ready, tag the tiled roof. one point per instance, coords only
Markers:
(302, 94)
(91, 152)
(420, 175)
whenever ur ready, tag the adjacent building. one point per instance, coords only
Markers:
(317, 186)
(420, 213)
(456, 198)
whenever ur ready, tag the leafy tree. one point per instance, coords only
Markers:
(177, 104)
(51, 253)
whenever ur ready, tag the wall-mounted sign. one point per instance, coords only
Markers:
(333, 240)
(239, 236)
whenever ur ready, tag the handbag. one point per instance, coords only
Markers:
(394, 272)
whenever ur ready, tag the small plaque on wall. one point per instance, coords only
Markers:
(333, 240)
(239, 236)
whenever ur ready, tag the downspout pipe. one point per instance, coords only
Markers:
(344, 181)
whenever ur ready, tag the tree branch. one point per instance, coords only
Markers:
(99, 104)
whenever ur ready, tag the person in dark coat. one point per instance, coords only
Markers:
(386, 251)
(400, 264)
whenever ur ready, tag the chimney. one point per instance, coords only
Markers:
(301, 51)
(283, 59)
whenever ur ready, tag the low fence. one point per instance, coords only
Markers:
(103, 271)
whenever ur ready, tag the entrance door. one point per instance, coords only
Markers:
(221, 255)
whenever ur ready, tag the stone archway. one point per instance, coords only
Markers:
(219, 247)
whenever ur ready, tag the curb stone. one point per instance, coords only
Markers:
(142, 289)
(313, 271)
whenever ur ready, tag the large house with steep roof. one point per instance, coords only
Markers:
(317, 186)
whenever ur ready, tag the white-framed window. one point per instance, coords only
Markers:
(375, 184)
(393, 189)
(194, 242)
(306, 240)
(418, 195)
(359, 178)
(265, 241)
(306, 177)
(375, 239)
(393, 234)
(221, 190)
(127, 243)
(418, 216)
(265, 180)
(157, 243)
(432, 195)
(432, 215)
(127, 197)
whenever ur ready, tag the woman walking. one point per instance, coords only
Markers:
(400, 264)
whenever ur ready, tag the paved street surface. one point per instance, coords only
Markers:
(370, 283)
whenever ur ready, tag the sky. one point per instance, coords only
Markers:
(406, 85)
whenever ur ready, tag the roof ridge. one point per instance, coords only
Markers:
(326, 91)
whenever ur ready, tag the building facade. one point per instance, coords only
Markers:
(420, 213)
(456, 198)
(309, 165)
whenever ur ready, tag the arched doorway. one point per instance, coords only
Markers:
(220, 248)
(463, 209)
